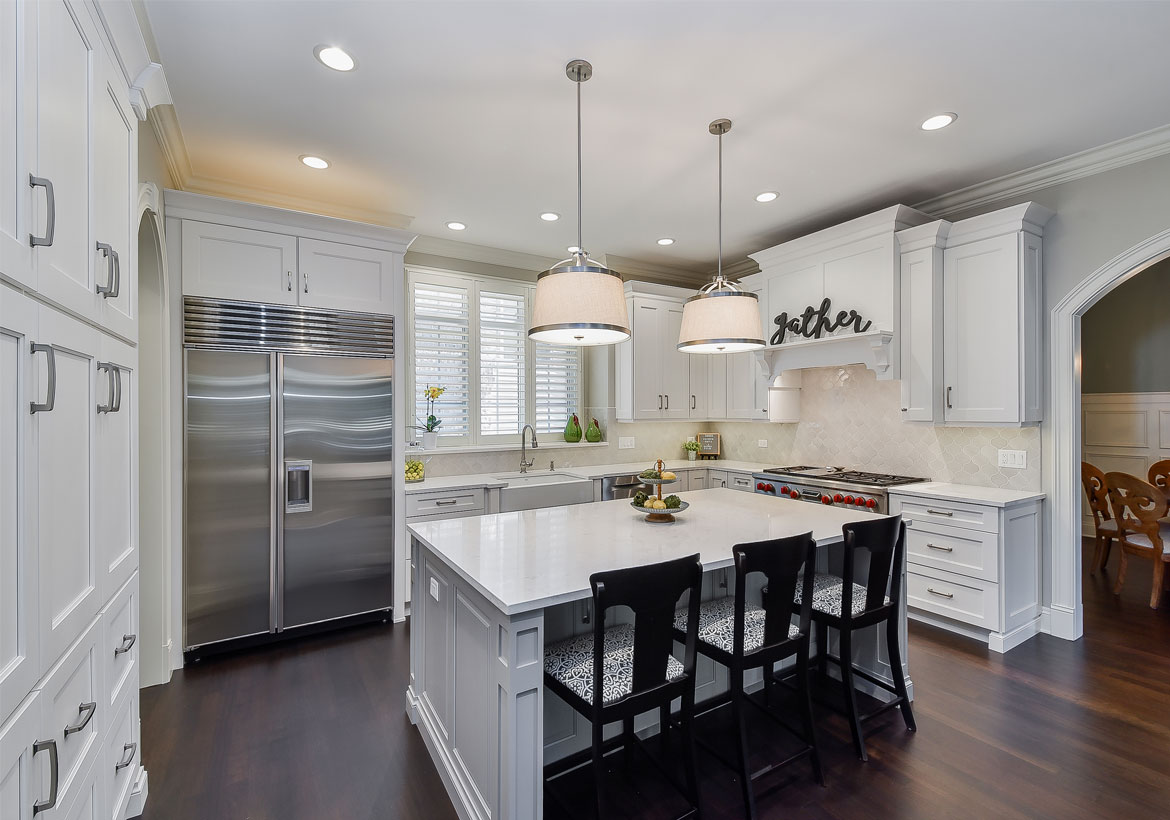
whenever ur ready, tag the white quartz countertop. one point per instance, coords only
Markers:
(459, 482)
(941, 491)
(522, 561)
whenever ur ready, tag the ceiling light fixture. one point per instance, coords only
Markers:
(939, 121)
(315, 162)
(579, 301)
(549, 216)
(722, 317)
(333, 57)
(456, 226)
(766, 196)
(666, 240)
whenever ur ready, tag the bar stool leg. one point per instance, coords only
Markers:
(846, 649)
(687, 719)
(737, 704)
(664, 728)
(895, 653)
(806, 713)
(628, 742)
(822, 648)
(599, 768)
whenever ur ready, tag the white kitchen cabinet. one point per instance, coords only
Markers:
(675, 366)
(74, 711)
(116, 464)
(345, 277)
(653, 377)
(700, 385)
(716, 478)
(119, 758)
(697, 480)
(741, 481)
(993, 318)
(743, 386)
(920, 321)
(68, 567)
(228, 262)
(19, 626)
(716, 385)
(19, 789)
(16, 148)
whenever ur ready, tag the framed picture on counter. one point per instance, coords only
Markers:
(708, 445)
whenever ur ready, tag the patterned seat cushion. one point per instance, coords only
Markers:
(571, 662)
(827, 595)
(717, 625)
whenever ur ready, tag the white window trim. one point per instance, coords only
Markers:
(473, 283)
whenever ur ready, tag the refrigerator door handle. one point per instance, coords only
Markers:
(298, 485)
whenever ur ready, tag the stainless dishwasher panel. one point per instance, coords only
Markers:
(622, 486)
(229, 503)
(337, 555)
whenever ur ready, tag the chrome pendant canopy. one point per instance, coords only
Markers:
(722, 317)
(579, 301)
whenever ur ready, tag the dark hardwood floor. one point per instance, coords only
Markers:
(316, 729)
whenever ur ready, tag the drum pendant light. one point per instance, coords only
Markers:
(722, 317)
(579, 301)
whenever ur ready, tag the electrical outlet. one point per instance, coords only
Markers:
(435, 588)
(625, 442)
(1016, 459)
(763, 442)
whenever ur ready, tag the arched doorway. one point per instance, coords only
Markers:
(1063, 440)
(155, 501)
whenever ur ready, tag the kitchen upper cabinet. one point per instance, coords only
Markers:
(68, 571)
(920, 321)
(227, 262)
(993, 319)
(345, 277)
(700, 365)
(16, 149)
(675, 366)
(716, 385)
(653, 377)
(19, 638)
(116, 464)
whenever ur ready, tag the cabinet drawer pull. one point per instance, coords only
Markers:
(111, 369)
(940, 548)
(445, 501)
(127, 756)
(50, 211)
(949, 407)
(127, 645)
(113, 272)
(51, 388)
(49, 746)
(934, 591)
(659, 401)
(947, 513)
(117, 389)
(288, 277)
(668, 402)
(694, 402)
(86, 710)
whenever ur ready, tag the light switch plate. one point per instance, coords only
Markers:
(625, 442)
(1015, 459)
(435, 588)
(762, 442)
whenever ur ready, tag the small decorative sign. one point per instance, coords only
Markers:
(708, 445)
(815, 322)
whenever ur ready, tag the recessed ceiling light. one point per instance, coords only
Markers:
(766, 196)
(666, 240)
(314, 162)
(456, 226)
(939, 121)
(334, 57)
(549, 216)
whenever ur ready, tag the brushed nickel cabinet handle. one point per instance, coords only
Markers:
(51, 388)
(288, 277)
(668, 402)
(107, 251)
(949, 407)
(694, 402)
(659, 401)
(127, 643)
(940, 548)
(129, 748)
(445, 502)
(86, 711)
(947, 513)
(305, 279)
(934, 591)
(111, 369)
(49, 746)
(50, 212)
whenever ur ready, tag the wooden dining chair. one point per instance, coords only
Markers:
(1104, 524)
(1159, 475)
(1139, 505)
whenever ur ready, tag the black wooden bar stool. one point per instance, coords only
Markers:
(743, 636)
(843, 604)
(618, 673)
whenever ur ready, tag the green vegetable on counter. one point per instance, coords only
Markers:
(673, 502)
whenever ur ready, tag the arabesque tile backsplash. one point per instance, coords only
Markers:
(848, 418)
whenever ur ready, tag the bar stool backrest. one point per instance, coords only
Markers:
(885, 541)
(780, 561)
(652, 592)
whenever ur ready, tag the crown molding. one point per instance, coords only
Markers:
(736, 270)
(149, 89)
(635, 269)
(454, 249)
(886, 221)
(164, 122)
(1112, 155)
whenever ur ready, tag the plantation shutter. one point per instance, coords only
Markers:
(557, 388)
(442, 355)
(503, 334)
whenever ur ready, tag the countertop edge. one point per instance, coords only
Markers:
(955, 492)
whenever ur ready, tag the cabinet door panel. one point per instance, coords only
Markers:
(345, 277)
(981, 331)
(18, 788)
(921, 287)
(116, 467)
(16, 147)
(646, 326)
(675, 366)
(717, 386)
(68, 568)
(19, 639)
(65, 43)
(700, 376)
(225, 262)
(73, 710)
(741, 385)
(114, 187)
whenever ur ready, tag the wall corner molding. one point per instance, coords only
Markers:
(149, 89)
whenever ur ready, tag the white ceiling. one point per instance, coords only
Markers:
(461, 111)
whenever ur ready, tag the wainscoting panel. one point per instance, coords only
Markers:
(1123, 432)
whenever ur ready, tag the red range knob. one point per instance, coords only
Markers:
(826, 500)
(860, 501)
(771, 488)
(838, 498)
(871, 503)
(785, 490)
(849, 499)
(760, 485)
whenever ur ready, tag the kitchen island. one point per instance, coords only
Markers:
(491, 591)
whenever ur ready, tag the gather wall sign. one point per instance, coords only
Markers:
(814, 323)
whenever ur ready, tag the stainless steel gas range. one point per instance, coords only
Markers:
(831, 485)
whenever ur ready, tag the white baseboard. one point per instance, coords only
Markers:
(1007, 641)
(1062, 623)
(138, 794)
(411, 705)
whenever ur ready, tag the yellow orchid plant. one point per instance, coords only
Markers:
(432, 394)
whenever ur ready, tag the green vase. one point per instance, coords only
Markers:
(573, 430)
(593, 433)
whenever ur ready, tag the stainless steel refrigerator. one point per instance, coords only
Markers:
(289, 466)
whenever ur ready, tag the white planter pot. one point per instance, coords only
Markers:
(430, 441)
(691, 455)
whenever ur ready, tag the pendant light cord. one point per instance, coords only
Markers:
(580, 246)
(719, 263)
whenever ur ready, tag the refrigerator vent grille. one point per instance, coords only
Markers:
(216, 323)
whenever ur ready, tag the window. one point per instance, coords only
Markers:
(470, 335)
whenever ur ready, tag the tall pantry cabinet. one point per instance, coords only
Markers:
(69, 729)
